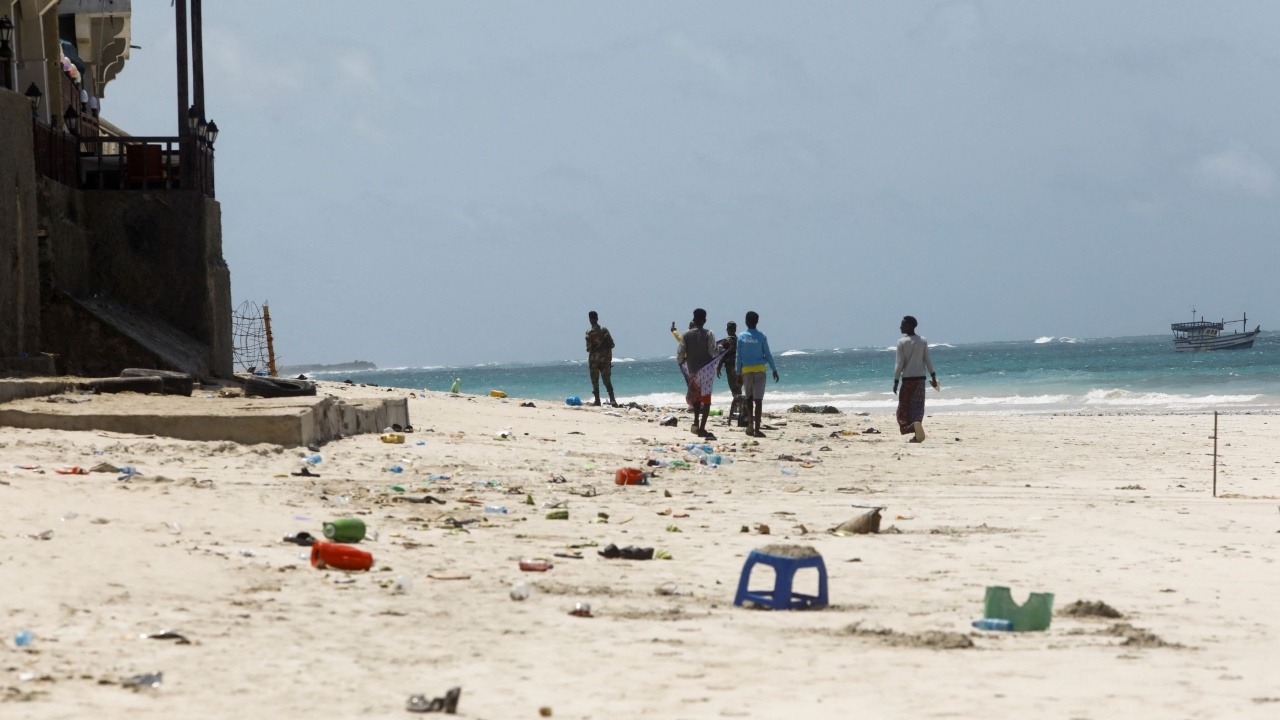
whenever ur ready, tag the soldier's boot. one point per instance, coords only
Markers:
(612, 401)
(597, 402)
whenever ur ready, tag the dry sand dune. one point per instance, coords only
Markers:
(1112, 508)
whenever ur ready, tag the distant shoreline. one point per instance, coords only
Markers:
(353, 366)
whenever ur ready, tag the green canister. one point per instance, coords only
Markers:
(345, 530)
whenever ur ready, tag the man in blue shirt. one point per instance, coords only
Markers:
(753, 356)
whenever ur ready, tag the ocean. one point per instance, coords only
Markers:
(1041, 375)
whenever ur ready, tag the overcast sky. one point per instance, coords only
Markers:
(456, 182)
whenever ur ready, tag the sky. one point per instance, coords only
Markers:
(434, 183)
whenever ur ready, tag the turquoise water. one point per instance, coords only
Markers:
(1134, 374)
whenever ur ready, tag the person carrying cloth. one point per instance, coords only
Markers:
(697, 356)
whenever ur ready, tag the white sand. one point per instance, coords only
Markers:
(1029, 502)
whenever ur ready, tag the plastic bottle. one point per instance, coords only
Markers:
(23, 638)
(339, 557)
(788, 471)
(437, 476)
(314, 459)
(456, 387)
(494, 510)
(395, 469)
(535, 565)
(994, 624)
(345, 530)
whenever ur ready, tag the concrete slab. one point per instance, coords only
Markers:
(290, 422)
(20, 388)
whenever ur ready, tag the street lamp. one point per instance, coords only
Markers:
(33, 94)
(6, 53)
(72, 119)
(212, 132)
(193, 118)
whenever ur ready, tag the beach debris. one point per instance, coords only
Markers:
(762, 529)
(345, 530)
(167, 635)
(71, 470)
(558, 515)
(305, 539)
(573, 401)
(669, 588)
(127, 472)
(45, 535)
(230, 392)
(630, 476)
(497, 394)
(1090, 608)
(871, 431)
(305, 472)
(630, 552)
(661, 554)
(993, 624)
(673, 528)
(581, 609)
(449, 576)
(520, 591)
(1134, 486)
(571, 556)
(24, 638)
(393, 438)
(535, 565)
(425, 499)
(144, 681)
(669, 421)
(339, 557)
(1033, 615)
(544, 711)
(527, 404)
(818, 409)
(448, 704)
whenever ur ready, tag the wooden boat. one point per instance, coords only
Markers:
(1201, 335)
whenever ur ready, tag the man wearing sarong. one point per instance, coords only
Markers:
(600, 358)
(697, 356)
(913, 360)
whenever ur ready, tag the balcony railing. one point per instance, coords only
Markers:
(57, 154)
(146, 163)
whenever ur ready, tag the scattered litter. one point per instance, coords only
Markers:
(535, 565)
(71, 470)
(520, 591)
(558, 515)
(630, 552)
(447, 704)
(581, 609)
(167, 635)
(449, 576)
(46, 535)
(339, 557)
(1135, 486)
(24, 638)
(148, 680)
(393, 438)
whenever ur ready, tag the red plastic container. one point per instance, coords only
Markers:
(340, 557)
(629, 476)
(535, 565)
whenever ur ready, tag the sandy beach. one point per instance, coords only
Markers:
(1116, 509)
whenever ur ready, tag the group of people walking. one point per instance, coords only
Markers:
(746, 355)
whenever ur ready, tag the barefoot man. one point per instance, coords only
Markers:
(913, 360)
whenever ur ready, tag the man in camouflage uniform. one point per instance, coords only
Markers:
(600, 357)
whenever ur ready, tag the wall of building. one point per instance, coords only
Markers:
(161, 253)
(19, 257)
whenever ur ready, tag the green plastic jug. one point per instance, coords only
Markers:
(1033, 615)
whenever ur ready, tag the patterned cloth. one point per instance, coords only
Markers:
(701, 382)
(910, 404)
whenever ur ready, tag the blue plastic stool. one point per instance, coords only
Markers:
(784, 568)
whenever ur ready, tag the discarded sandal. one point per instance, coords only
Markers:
(610, 551)
(304, 539)
(631, 552)
(447, 704)
(305, 472)
(423, 499)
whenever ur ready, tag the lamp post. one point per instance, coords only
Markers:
(6, 53)
(193, 119)
(211, 132)
(33, 94)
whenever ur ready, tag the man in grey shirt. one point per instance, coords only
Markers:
(912, 361)
(698, 350)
